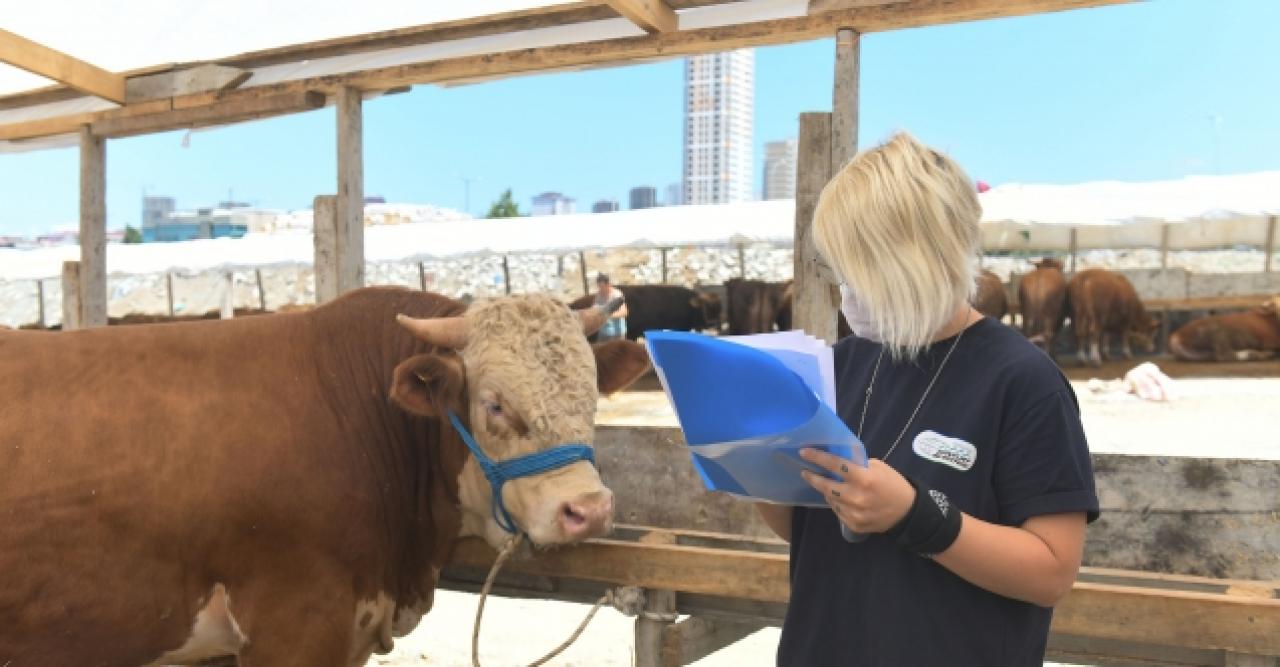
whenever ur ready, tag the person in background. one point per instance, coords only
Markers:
(616, 326)
(973, 506)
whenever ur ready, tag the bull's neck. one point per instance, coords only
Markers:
(410, 463)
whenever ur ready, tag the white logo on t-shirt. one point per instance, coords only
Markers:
(946, 450)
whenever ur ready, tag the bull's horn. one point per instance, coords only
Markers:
(593, 318)
(447, 332)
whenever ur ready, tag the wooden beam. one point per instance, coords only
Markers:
(196, 79)
(1238, 623)
(1171, 618)
(93, 229)
(752, 576)
(618, 51)
(819, 6)
(650, 15)
(240, 109)
(51, 64)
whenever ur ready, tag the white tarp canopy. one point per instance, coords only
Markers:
(1209, 211)
(713, 225)
(120, 37)
(155, 32)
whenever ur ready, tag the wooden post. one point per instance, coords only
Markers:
(339, 253)
(582, 266)
(506, 274)
(71, 296)
(844, 99)
(40, 302)
(93, 229)
(324, 220)
(1164, 246)
(650, 630)
(664, 265)
(1071, 267)
(1270, 248)
(742, 262)
(816, 300)
(229, 296)
(827, 143)
(350, 200)
(262, 292)
(422, 276)
(695, 638)
(168, 290)
(559, 266)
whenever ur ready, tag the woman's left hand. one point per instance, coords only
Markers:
(868, 500)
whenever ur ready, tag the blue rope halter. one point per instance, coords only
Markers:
(529, 465)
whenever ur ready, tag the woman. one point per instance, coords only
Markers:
(973, 507)
(615, 328)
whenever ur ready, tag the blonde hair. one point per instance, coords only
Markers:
(899, 224)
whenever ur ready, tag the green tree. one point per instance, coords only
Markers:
(505, 207)
(132, 235)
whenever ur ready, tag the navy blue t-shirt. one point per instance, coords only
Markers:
(1000, 434)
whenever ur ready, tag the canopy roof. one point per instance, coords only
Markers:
(163, 65)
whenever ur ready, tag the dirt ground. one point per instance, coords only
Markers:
(517, 632)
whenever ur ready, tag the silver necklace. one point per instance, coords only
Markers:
(871, 385)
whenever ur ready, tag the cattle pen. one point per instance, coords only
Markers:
(1185, 578)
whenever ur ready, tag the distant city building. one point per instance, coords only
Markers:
(375, 199)
(552, 203)
(605, 206)
(161, 223)
(643, 197)
(675, 195)
(155, 210)
(718, 115)
(780, 169)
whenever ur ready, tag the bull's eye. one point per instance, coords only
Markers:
(494, 408)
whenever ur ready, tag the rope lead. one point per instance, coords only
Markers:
(629, 600)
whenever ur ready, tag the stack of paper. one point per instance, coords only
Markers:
(748, 404)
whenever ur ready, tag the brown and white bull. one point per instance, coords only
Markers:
(1104, 304)
(1042, 298)
(1247, 336)
(283, 488)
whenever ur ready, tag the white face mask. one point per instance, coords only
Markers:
(857, 317)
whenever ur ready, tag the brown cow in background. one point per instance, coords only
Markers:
(755, 306)
(991, 299)
(1103, 304)
(1252, 335)
(1042, 296)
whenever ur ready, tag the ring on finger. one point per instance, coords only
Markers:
(835, 492)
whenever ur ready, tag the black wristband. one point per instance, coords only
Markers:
(930, 526)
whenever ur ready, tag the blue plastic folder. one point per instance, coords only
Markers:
(747, 411)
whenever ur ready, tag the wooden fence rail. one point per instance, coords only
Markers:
(736, 584)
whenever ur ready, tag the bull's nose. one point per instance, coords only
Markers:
(588, 515)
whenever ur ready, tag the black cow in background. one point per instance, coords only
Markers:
(671, 307)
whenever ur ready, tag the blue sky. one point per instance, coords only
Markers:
(1139, 92)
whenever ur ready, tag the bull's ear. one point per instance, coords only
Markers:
(428, 384)
(618, 364)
